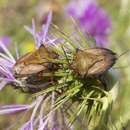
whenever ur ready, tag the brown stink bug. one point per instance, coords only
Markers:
(94, 61)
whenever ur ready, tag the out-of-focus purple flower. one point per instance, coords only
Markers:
(92, 18)
(5, 40)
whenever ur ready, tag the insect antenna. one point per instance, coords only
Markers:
(122, 54)
(122, 67)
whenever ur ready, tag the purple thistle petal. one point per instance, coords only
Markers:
(43, 125)
(11, 109)
(27, 126)
(38, 102)
(41, 36)
(38, 39)
(6, 58)
(41, 115)
(45, 28)
(6, 63)
(54, 41)
(8, 80)
(55, 128)
(2, 84)
(28, 29)
(31, 30)
(5, 72)
(43, 120)
(54, 121)
(3, 47)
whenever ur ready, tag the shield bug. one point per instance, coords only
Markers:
(35, 69)
(94, 61)
(34, 62)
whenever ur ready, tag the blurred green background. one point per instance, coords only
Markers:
(17, 13)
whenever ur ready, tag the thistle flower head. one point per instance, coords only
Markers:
(58, 104)
(46, 118)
